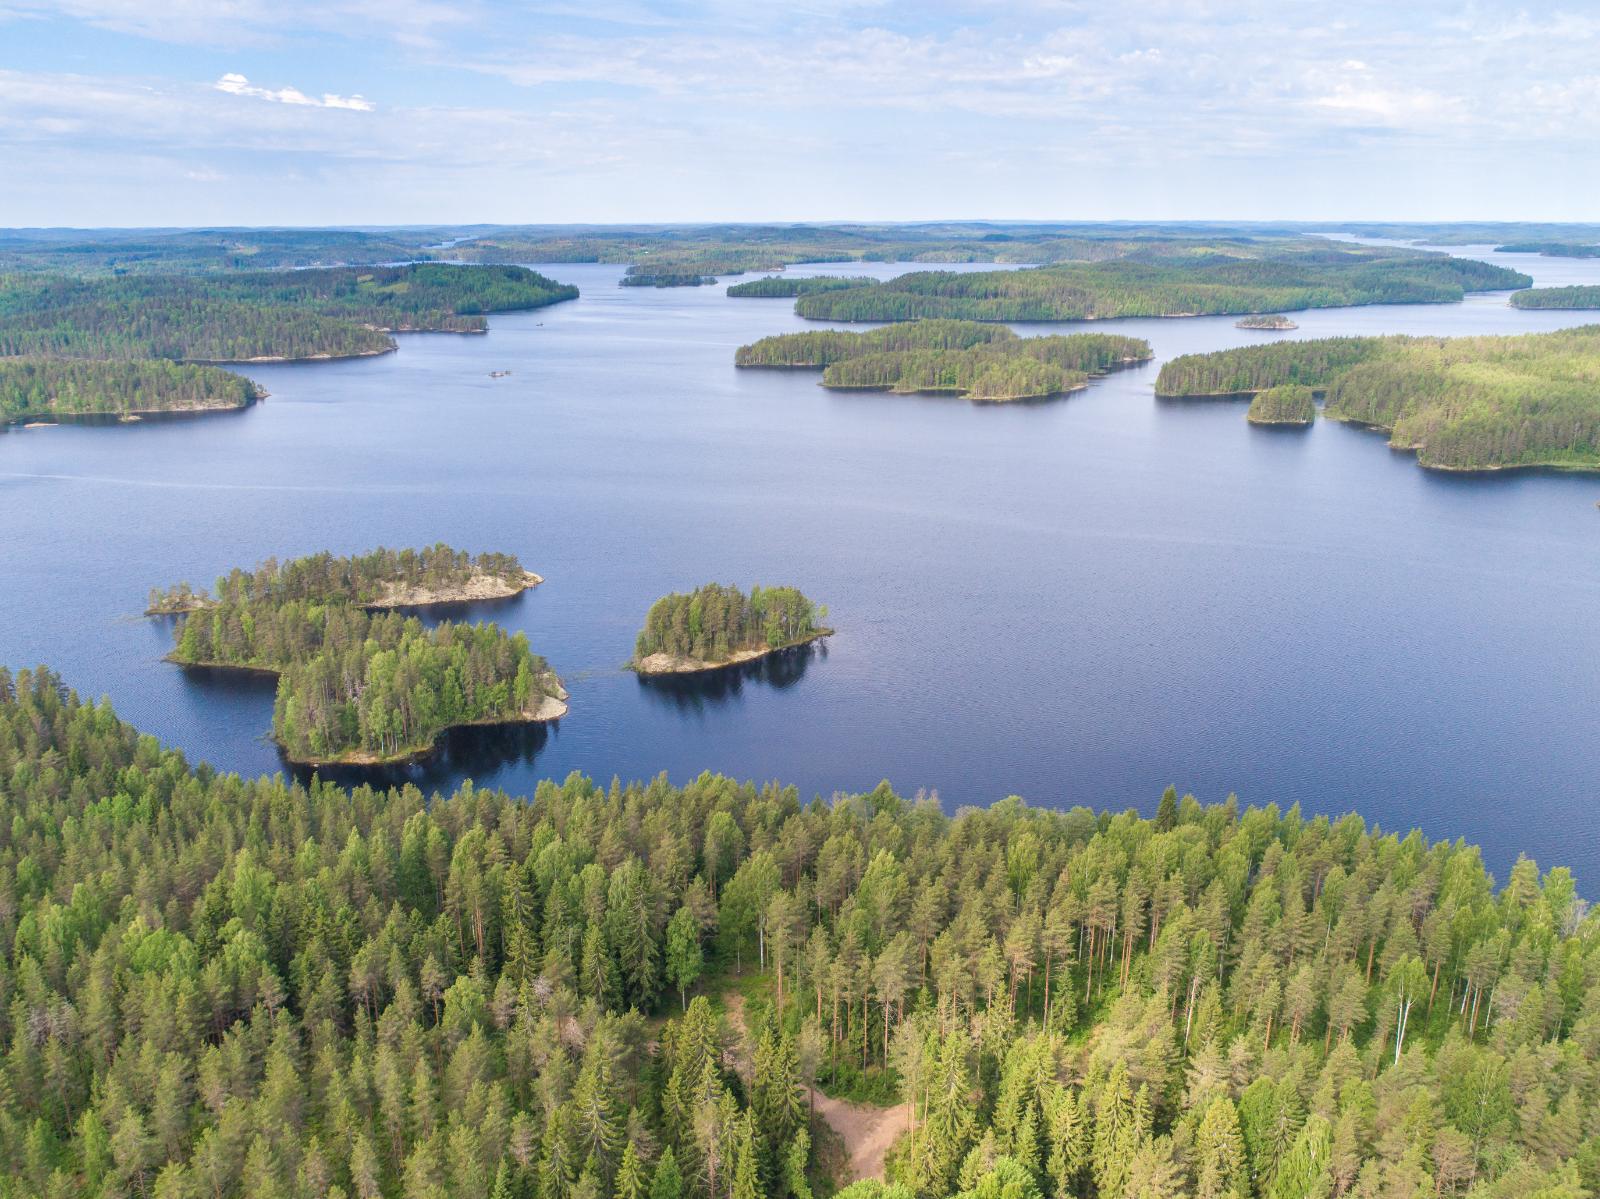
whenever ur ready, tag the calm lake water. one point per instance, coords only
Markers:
(1077, 602)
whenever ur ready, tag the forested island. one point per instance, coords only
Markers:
(1464, 403)
(363, 687)
(671, 278)
(48, 390)
(715, 626)
(786, 287)
(1267, 321)
(1286, 404)
(222, 987)
(1587, 296)
(970, 359)
(1171, 281)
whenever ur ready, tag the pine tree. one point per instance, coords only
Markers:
(666, 1182)
(1219, 1153)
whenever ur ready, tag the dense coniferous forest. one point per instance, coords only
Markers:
(1286, 404)
(968, 358)
(384, 577)
(1463, 403)
(784, 287)
(258, 315)
(1170, 281)
(215, 987)
(714, 624)
(35, 389)
(1557, 297)
(359, 686)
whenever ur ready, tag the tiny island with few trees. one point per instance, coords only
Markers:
(715, 626)
(1267, 322)
(973, 360)
(360, 683)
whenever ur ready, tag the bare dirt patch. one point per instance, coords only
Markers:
(866, 1131)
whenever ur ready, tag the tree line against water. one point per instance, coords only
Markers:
(44, 389)
(1587, 296)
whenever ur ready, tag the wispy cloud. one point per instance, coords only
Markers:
(237, 85)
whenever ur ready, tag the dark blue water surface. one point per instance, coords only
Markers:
(1078, 602)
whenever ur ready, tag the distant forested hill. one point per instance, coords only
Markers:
(1463, 403)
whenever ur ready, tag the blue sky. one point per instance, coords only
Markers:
(159, 112)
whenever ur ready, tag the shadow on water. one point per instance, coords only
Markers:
(716, 688)
(464, 611)
(477, 751)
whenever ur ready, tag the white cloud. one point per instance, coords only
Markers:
(238, 85)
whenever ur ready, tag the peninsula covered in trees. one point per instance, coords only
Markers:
(42, 389)
(971, 359)
(715, 626)
(257, 316)
(1184, 280)
(219, 987)
(362, 687)
(81, 346)
(1465, 403)
(1557, 297)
